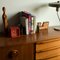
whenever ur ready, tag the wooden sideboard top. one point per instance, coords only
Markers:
(43, 35)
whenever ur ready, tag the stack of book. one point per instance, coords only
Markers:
(27, 23)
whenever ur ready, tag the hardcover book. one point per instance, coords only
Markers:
(26, 23)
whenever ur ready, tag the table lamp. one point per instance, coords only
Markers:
(56, 5)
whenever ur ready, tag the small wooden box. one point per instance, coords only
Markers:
(44, 25)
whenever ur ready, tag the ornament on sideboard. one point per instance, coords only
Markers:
(45, 25)
(14, 31)
(5, 21)
(41, 26)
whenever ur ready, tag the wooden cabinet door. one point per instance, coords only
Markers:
(18, 52)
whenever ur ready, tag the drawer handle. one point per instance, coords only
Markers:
(12, 54)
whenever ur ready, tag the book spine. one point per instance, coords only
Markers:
(27, 32)
(34, 24)
(29, 24)
(22, 25)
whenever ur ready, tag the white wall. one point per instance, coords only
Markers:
(43, 14)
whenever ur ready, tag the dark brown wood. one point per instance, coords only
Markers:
(28, 46)
(43, 35)
(24, 52)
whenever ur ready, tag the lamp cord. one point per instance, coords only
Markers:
(58, 16)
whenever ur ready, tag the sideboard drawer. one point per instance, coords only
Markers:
(53, 44)
(55, 58)
(48, 54)
(17, 52)
(10, 53)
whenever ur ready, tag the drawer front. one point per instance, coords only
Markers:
(53, 44)
(19, 52)
(55, 58)
(10, 53)
(48, 55)
(2, 54)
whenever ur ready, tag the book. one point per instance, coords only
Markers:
(27, 20)
(23, 24)
(33, 24)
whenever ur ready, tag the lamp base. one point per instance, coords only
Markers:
(57, 28)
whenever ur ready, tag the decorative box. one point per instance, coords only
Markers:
(14, 31)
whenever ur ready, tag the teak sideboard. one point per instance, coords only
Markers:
(44, 45)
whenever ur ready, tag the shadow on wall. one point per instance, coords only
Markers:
(13, 21)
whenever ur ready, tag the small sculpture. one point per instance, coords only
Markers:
(5, 21)
(43, 25)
